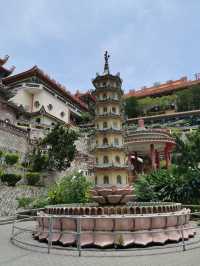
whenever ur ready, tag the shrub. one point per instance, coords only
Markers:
(10, 179)
(24, 202)
(40, 202)
(71, 189)
(32, 178)
(169, 185)
(1, 154)
(11, 158)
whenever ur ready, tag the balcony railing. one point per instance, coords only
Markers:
(111, 165)
(108, 99)
(108, 114)
(107, 146)
(109, 129)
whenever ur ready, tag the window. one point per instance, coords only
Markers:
(62, 114)
(95, 180)
(119, 179)
(37, 104)
(116, 141)
(38, 120)
(105, 159)
(115, 124)
(104, 96)
(106, 179)
(105, 124)
(117, 159)
(50, 107)
(114, 109)
(97, 160)
(105, 141)
(105, 109)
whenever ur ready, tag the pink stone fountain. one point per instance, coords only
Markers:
(104, 226)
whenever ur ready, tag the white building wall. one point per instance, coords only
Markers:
(27, 97)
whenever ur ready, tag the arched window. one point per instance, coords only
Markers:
(106, 179)
(115, 124)
(105, 109)
(97, 160)
(119, 179)
(117, 159)
(105, 124)
(116, 141)
(105, 141)
(114, 109)
(62, 114)
(105, 159)
(95, 180)
(37, 104)
(50, 107)
(104, 96)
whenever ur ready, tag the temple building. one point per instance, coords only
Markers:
(148, 149)
(43, 101)
(110, 168)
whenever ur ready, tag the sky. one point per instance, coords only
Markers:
(149, 41)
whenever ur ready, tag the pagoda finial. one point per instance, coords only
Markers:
(106, 66)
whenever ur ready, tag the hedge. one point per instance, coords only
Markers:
(10, 179)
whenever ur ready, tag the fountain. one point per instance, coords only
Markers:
(114, 219)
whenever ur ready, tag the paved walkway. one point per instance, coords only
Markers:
(11, 255)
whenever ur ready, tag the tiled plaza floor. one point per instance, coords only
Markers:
(11, 255)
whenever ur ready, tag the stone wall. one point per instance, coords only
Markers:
(13, 138)
(8, 195)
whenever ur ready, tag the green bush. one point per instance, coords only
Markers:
(32, 178)
(169, 185)
(10, 179)
(40, 202)
(11, 158)
(1, 154)
(71, 189)
(24, 202)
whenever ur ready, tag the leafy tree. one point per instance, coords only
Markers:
(37, 161)
(85, 118)
(60, 147)
(131, 107)
(187, 153)
(5, 93)
(184, 100)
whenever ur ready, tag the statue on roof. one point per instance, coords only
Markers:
(106, 66)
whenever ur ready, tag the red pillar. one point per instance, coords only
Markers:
(152, 155)
(157, 159)
(167, 156)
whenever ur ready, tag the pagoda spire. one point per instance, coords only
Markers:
(106, 65)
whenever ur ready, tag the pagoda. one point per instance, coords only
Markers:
(111, 169)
